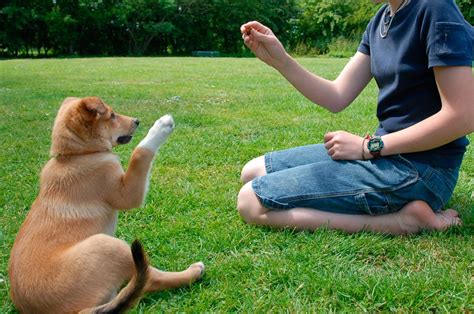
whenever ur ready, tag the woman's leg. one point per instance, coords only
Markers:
(254, 168)
(412, 218)
(284, 159)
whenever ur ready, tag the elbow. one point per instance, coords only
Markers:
(469, 124)
(336, 109)
(135, 202)
(127, 202)
(465, 122)
(339, 101)
(337, 106)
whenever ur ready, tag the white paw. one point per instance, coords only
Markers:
(158, 133)
(201, 265)
(162, 127)
(199, 269)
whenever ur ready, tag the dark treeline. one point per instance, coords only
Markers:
(177, 27)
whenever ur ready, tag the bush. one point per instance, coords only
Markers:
(342, 47)
(302, 49)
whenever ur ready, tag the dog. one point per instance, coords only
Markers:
(65, 258)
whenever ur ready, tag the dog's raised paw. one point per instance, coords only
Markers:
(166, 121)
(165, 125)
(158, 133)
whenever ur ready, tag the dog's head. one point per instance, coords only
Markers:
(88, 125)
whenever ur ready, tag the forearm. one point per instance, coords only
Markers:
(435, 131)
(332, 95)
(132, 186)
(317, 89)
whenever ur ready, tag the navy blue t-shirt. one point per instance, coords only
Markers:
(423, 34)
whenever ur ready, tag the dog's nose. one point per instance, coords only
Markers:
(136, 121)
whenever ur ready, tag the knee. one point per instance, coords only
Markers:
(247, 173)
(248, 204)
(103, 246)
(254, 168)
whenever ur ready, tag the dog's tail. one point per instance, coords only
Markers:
(132, 292)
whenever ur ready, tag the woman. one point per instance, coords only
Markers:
(420, 53)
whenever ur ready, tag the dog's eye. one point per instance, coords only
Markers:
(112, 116)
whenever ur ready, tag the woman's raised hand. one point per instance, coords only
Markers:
(264, 44)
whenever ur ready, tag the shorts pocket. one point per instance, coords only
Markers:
(400, 177)
(374, 203)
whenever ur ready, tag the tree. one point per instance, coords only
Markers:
(144, 21)
(321, 21)
(467, 9)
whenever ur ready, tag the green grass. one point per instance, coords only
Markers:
(229, 111)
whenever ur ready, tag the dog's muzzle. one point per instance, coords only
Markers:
(127, 138)
(124, 139)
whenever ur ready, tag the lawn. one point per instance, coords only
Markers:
(228, 111)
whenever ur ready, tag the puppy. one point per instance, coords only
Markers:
(65, 258)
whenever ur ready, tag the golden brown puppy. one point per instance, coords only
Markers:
(65, 258)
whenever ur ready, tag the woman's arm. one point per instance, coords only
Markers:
(332, 95)
(454, 120)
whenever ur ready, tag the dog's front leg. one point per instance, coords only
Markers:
(134, 182)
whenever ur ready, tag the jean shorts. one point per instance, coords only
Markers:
(308, 177)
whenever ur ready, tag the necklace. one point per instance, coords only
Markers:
(387, 19)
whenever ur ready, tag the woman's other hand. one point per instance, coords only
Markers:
(342, 145)
(264, 44)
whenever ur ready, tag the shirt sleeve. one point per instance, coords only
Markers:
(449, 37)
(364, 45)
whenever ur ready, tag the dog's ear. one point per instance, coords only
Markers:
(92, 106)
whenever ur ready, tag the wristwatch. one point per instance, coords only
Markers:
(375, 145)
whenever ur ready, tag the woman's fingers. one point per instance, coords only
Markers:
(329, 136)
(260, 36)
(247, 27)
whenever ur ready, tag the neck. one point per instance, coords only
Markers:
(394, 5)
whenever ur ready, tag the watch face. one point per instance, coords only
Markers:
(375, 144)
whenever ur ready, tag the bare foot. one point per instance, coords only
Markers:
(418, 215)
(448, 218)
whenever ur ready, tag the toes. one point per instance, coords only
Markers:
(457, 221)
(450, 213)
(447, 219)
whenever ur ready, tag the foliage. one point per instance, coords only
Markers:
(467, 9)
(342, 47)
(214, 24)
(144, 20)
(321, 21)
(178, 27)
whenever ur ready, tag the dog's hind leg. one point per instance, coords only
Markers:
(100, 264)
(162, 280)
(133, 291)
(96, 268)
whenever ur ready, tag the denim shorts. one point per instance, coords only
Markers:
(308, 177)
